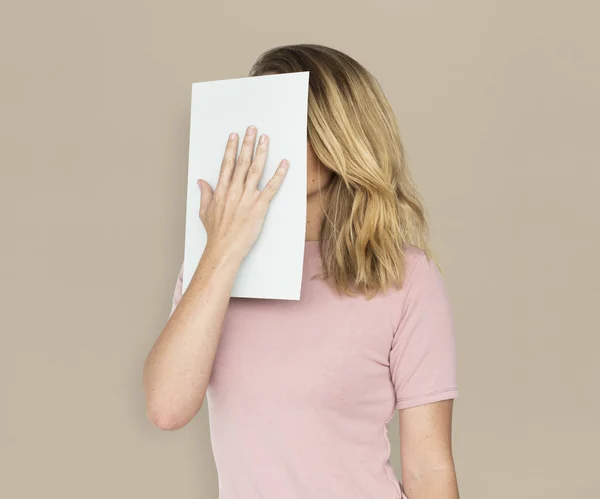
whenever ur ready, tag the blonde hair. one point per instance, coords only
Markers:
(372, 207)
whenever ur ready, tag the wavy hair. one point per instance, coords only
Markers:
(372, 209)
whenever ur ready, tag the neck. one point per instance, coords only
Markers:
(314, 216)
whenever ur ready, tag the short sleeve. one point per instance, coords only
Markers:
(177, 293)
(423, 352)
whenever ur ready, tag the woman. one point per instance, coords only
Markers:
(300, 393)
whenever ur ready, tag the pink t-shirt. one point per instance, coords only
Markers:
(301, 392)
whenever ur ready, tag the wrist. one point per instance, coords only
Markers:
(218, 256)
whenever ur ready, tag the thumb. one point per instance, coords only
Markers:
(206, 194)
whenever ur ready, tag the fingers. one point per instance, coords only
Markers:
(257, 167)
(244, 173)
(273, 185)
(244, 160)
(228, 164)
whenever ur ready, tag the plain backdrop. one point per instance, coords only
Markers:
(498, 104)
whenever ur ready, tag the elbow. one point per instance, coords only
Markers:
(164, 420)
(166, 407)
(165, 417)
(167, 420)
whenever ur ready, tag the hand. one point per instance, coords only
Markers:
(233, 215)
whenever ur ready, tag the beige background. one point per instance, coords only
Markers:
(499, 107)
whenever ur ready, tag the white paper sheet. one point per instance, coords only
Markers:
(277, 105)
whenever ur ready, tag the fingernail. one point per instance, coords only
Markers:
(251, 130)
(231, 136)
(262, 139)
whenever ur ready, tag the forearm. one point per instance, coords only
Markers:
(178, 368)
(432, 484)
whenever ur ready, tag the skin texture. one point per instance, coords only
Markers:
(426, 451)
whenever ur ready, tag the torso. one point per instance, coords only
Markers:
(300, 394)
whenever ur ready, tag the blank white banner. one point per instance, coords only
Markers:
(277, 105)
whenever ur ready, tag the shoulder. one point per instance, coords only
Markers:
(420, 279)
(423, 288)
(412, 255)
(423, 285)
(417, 266)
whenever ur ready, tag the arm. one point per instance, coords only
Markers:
(423, 364)
(177, 369)
(426, 451)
